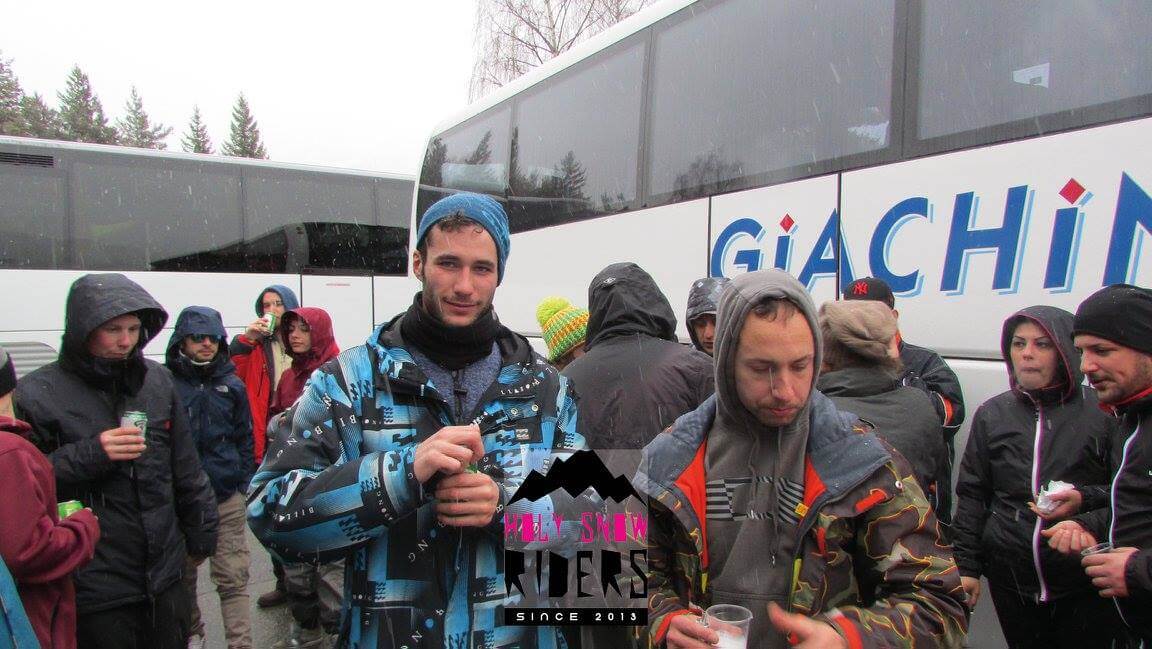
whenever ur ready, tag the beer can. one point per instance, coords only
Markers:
(68, 507)
(135, 418)
(270, 320)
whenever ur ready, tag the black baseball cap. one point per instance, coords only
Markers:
(870, 288)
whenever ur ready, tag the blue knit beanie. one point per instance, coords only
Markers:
(481, 209)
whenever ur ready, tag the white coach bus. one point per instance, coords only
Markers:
(194, 229)
(979, 156)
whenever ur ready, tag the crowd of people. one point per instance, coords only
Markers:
(796, 460)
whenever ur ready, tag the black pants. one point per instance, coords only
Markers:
(1084, 621)
(161, 623)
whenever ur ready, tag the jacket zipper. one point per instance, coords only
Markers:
(1036, 445)
(1112, 499)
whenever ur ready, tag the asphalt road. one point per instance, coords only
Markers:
(268, 625)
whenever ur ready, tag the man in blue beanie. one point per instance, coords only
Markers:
(403, 452)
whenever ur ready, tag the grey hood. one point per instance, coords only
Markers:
(703, 298)
(735, 304)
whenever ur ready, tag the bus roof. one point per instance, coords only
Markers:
(209, 158)
(614, 34)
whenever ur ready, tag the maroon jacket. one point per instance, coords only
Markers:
(40, 549)
(324, 348)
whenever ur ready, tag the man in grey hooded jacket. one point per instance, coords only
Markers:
(769, 497)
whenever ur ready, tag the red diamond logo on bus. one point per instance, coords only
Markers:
(1072, 191)
(786, 223)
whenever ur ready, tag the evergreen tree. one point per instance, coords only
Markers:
(11, 117)
(40, 119)
(245, 134)
(197, 140)
(135, 129)
(571, 177)
(81, 114)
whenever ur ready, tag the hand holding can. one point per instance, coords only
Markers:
(270, 322)
(122, 443)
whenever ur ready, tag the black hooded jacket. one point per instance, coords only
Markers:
(216, 403)
(635, 379)
(1131, 522)
(1021, 440)
(153, 510)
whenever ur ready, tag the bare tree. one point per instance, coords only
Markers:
(514, 36)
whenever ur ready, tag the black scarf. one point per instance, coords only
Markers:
(452, 348)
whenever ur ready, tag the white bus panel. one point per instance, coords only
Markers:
(967, 238)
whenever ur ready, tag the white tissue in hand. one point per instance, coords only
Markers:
(1044, 501)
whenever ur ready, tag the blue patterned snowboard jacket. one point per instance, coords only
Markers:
(338, 481)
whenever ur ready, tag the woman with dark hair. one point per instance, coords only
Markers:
(306, 333)
(1046, 427)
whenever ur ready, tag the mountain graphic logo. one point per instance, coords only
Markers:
(574, 475)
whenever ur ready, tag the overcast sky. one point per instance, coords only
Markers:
(337, 83)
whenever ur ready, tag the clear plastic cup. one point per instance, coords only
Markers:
(1099, 548)
(731, 622)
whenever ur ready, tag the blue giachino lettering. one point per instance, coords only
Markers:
(1133, 209)
(750, 258)
(1004, 241)
(1062, 252)
(823, 260)
(892, 221)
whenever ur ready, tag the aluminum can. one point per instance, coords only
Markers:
(68, 507)
(137, 419)
(270, 320)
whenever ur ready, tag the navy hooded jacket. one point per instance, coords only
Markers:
(216, 403)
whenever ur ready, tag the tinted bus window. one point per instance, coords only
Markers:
(989, 63)
(128, 216)
(747, 88)
(473, 157)
(327, 221)
(273, 199)
(394, 202)
(571, 157)
(32, 212)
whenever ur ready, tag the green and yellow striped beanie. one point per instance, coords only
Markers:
(562, 324)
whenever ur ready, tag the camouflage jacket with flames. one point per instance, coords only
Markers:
(870, 559)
